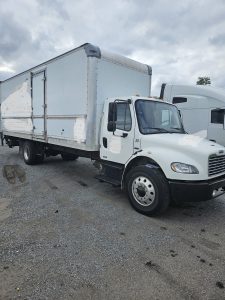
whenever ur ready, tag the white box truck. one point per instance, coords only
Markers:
(202, 109)
(94, 104)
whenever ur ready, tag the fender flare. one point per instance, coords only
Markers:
(137, 161)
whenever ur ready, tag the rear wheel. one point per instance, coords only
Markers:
(69, 157)
(32, 153)
(29, 153)
(148, 190)
(40, 157)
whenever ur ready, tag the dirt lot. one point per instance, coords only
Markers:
(64, 235)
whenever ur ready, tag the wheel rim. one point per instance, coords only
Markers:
(26, 154)
(143, 191)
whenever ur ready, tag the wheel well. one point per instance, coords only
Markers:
(138, 161)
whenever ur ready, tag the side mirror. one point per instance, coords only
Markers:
(111, 126)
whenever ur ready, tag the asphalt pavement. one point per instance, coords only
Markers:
(64, 235)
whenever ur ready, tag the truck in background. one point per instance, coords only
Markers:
(202, 109)
(95, 104)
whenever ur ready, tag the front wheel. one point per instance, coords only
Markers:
(148, 190)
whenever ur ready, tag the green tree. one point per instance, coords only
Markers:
(203, 80)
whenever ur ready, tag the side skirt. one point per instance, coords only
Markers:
(111, 173)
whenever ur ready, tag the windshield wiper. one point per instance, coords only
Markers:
(160, 129)
(177, 128)
(181, 130)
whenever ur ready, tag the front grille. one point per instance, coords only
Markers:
(216, 164)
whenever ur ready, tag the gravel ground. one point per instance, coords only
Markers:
(64, 235)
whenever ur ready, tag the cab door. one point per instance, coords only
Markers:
(117, 142)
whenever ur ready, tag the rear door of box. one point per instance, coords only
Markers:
(39, 105)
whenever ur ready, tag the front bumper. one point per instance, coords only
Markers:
(188, 191)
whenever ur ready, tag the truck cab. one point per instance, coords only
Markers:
(145, 150)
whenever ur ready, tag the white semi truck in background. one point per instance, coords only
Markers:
(202, 109)
(95, 104)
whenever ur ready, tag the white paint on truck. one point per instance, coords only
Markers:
(162, 147)
(16, 110)
(67, 95)
(95, 104)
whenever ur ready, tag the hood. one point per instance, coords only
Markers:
(182, 143)
(166, 148)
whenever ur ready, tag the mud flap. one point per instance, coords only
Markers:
(2, 138)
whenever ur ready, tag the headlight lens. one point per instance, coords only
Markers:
(184, 168)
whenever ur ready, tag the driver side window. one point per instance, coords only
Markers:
(123, 117)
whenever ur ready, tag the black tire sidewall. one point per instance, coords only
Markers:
(40, 158)
(27, 149)
(31, 151)
(161, 189)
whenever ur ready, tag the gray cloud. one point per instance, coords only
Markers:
(12, 37)
(218, 40)
(180, 39)
(53, 7)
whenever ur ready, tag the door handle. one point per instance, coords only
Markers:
(104, 142)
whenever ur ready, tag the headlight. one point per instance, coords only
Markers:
(184, 168)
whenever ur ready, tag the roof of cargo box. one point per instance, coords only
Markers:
(130, 63)
(94, 51)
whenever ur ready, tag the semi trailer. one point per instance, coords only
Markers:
(91, 103)
(202, 109)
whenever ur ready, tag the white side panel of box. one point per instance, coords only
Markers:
(65, 95)
(16, 104)
(119, 80)
(72, 129)
(67, 84)
(76, 88)
(66, 87)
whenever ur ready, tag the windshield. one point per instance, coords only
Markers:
(157, 117)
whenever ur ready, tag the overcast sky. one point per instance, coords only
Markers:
(180, 39)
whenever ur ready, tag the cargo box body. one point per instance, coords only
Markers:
(61, 101)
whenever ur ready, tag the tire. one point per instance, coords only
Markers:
(21, 150)
(69, 157)
(148, 190)
(29, 153)
(40, 157)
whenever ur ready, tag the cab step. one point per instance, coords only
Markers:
(108, 179)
